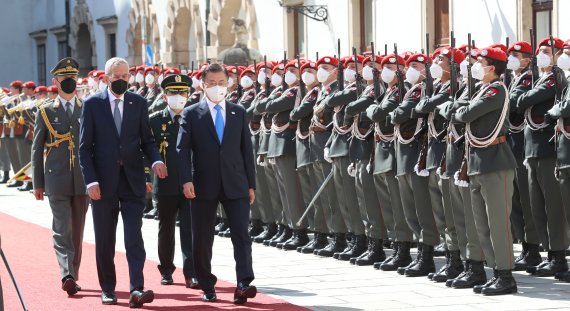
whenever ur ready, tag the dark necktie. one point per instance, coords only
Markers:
(177, 119)
(68, 109)
(117, 116)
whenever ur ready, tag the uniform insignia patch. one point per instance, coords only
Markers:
(56, 119)
(164, 127)
(312, 97)
(291, 93)
(416, 94)
(550, 83)
(491, 92)
(526, 82)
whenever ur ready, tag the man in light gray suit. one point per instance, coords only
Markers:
(59, 175)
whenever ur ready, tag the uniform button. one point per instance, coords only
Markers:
(50, 171)
(70, 127)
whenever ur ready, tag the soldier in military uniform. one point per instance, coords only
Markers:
(13, 130)
(139, 79)
(24, 141)
(540, 154)
(281, 150)
(521, 215)
(159, 103)
(168, 191)
(234, 89)
(337, 149)
(132, 81)
(59, 175)
(4, 156)
(360, 154)
(491, 169)
(196, 96)
(150, 79)
(321, 125)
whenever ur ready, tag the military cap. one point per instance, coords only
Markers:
(350, 59)
(405, 55)
(139, 68)
(446, 51)
(493, 53)
(377, 59)
(261, 65)
(151, 68)
(52, 89)
(16, 83)
(293, 63)
(558, 43)
(41, 88)
(171, 71)
(308, 65)
(278, 67)
(418, 58)
(499, 46)
(29, 84)
(66, 66)
(520, 46)
(246, 71)
(567, 44)
(133, 69)
(327, 60)
(176, 82)
(391, 59)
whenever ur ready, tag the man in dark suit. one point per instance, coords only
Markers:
(217, 166)
(114, 134)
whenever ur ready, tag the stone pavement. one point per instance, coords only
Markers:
(325, 283)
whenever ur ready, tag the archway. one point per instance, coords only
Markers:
(84, 50)
(82, 36)
(181, 36)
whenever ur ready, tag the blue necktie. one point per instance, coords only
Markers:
(219, 122)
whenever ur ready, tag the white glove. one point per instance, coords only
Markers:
(351, 170)
(326, 156)
(260, 161)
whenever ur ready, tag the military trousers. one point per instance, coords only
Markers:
(564, 180)
(521, 216)
(290, 191)
(546, 204)
(263, 205)
(316, 217)
(4, 156)
(346, 194)
(491, 198)
(370, 208)
(467, 236)
(328, 198)
(275, 212)
(436, 199)
(450, 230)
(416, 204)
(24, 150)
(388, 192)
(67, 231)
(12, 149)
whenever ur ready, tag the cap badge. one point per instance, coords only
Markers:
(164, 127)
(445, 51)
(69, 61)
(484, 53)
(327, 60)
(177, 78)
(517, 47)
(421, 58)
(392, 59)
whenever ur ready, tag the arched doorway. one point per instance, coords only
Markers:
(181, 37)
(82, 38)
(84, 50)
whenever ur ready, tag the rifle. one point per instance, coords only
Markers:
(191, 88)
(267, 80)
(470, 45)
(533, 65)
(453, 90)
(257, 85)
(375, 73)
(507, 77)
(385, 49)
(554, 71)
(302, 86)
(422, 135)
(239, 88)
(284, 85)
(429, 78)
(462, 176)
(340, 71)
(358, 80)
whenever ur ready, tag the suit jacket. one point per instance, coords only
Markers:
(56, 175)
(209, 164)
(102, 150)
(165, 132)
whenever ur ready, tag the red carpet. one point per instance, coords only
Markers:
(29, 251)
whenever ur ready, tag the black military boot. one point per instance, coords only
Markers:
(151, 214)
(300, 239)
(402, 270)
(358, 248)
(395, 247)
(440, 250)
(277, 234)
(349, 244)
(454, 268)
(557, 264)
(388, 243)
(320, 241)
(27, 186)
(504, 285)
(268, 232)
(256, 228)
(286, 235)
(529, 257)
(466, 269)
(443, 269)
(545, 262)
(475, 276)
(478, 288)
(374, 254)
(337, 244)
(15, 184)
(562, 276)
(425, 264)
(222, 225)
(149, 206)
(402, 258)
(5, 177)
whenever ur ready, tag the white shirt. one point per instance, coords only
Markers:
(112, 98)
(64, 102)
(213, 110)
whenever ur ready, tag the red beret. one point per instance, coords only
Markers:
(520, 46)
(16, 83)
(6, 90)
(350, 59)
(391, 59)
(446, 51)
(558, 43)
(377, 59)
(405, 55)
(500, 46)
(198, 74)
(278, 67)
(418, 57)
(567, 44)
(133, 69)
(292, 63)
(52, 88)
(493, 53)
(475, 53)
(241, 68)
(99, 74)
(327, 60)
(30, 84)
(262, 64)
(171, 71)
(309, 65)
(151, 68)
(140, 68)
(246, 71)
(41, 88)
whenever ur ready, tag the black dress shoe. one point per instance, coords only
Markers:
(151, 214)
(108, 298)
(5, 177)
(166, 279)
(15, 184)
(243, 292)
(68, 284)
(209, 297)
(27, 186)
(256, 228)
(140, 297)
(193, 283)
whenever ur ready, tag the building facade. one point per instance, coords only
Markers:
(179, 32)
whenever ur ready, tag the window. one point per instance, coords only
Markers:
(42, 64)
(112, 43)
(366, 24)
(299, 29)
(542, 18)
(62, 49)
(441, 22)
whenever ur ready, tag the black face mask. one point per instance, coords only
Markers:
(119, 87)
(68, 85)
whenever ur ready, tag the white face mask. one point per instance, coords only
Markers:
(413, 75)
(195, 82)
(246, 82)
(463, 68)
(542, 60)
(349, 75)
(322, 75)
(367, 73)
(139, 78)
(261, 77)
(513, 63)
(276, 79)
(160, 78)
(563, 61)
(436, 71)
(290, 78)
(91, 83)
(131, 79)
(387, 75)
(217, 93)
(308, 78)
(176, 102)
(102, 85)
(149, 79)
(230, 82)
(478, 71)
